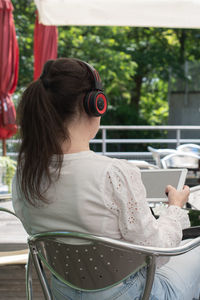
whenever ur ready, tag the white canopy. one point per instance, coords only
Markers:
(143, 13)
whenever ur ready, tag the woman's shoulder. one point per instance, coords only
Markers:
(122, 165)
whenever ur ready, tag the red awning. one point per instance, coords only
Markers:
(45, 45)
(9, 62)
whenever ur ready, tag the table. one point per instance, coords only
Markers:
(12, 234)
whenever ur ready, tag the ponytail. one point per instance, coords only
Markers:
(40, 125)
(45, 107)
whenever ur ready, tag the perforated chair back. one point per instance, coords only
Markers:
(158, 154)
(181, 160)
(87, 262)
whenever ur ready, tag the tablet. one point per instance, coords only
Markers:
(155, 182)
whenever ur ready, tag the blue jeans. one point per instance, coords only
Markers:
(179, 279)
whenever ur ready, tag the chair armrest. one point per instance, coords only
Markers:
(8, 211)
(158, 251)
(172, 251)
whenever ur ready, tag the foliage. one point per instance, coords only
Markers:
(98, 46)
(154, 105)
(8, 168)
(24, 17)
(134, 63)
(194, 216)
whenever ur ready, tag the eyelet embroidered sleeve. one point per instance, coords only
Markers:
(125, 196)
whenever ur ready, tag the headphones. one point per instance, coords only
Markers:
(95, 102)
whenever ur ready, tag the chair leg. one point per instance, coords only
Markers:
(149, 278)
(41, 274)
(28, 267)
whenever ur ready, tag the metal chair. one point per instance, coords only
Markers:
(88, 262)
(189, 148)
(181, 160)
(157, 154)
(142, 164)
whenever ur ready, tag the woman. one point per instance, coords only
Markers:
(61, 184)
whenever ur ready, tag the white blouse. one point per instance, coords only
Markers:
(103, 196)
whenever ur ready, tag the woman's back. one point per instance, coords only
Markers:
(103, 196)
(76, 199)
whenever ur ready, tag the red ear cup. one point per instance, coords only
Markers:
(95, 103)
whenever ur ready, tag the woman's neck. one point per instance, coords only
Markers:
(81, 131)
(79, 138)
(74, 146)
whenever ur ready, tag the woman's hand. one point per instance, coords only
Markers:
(178, 198)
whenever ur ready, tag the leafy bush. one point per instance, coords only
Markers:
(8, 167)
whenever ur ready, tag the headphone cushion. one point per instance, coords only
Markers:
(95, 103)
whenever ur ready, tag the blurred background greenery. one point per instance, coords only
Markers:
(135, 65)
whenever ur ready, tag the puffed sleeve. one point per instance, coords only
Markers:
(125, 196)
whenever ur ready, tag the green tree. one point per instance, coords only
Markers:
(24, 17)
(97, 45)
(134, 63)
(130, 60)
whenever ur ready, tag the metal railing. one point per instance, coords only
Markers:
(104, 141)
(161, 141)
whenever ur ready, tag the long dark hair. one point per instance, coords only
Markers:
(45, 107)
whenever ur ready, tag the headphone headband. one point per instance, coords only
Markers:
(96, 77)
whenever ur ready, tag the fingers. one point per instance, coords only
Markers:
(186, 189)
(178, 198)
(169, 188)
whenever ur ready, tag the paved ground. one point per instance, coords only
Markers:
(12, 284)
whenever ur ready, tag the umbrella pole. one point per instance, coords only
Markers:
(4, 147)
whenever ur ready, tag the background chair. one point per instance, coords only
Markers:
(181, 160)
(142, 164)
(189, 148)
(90, 263)
(158, 154)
